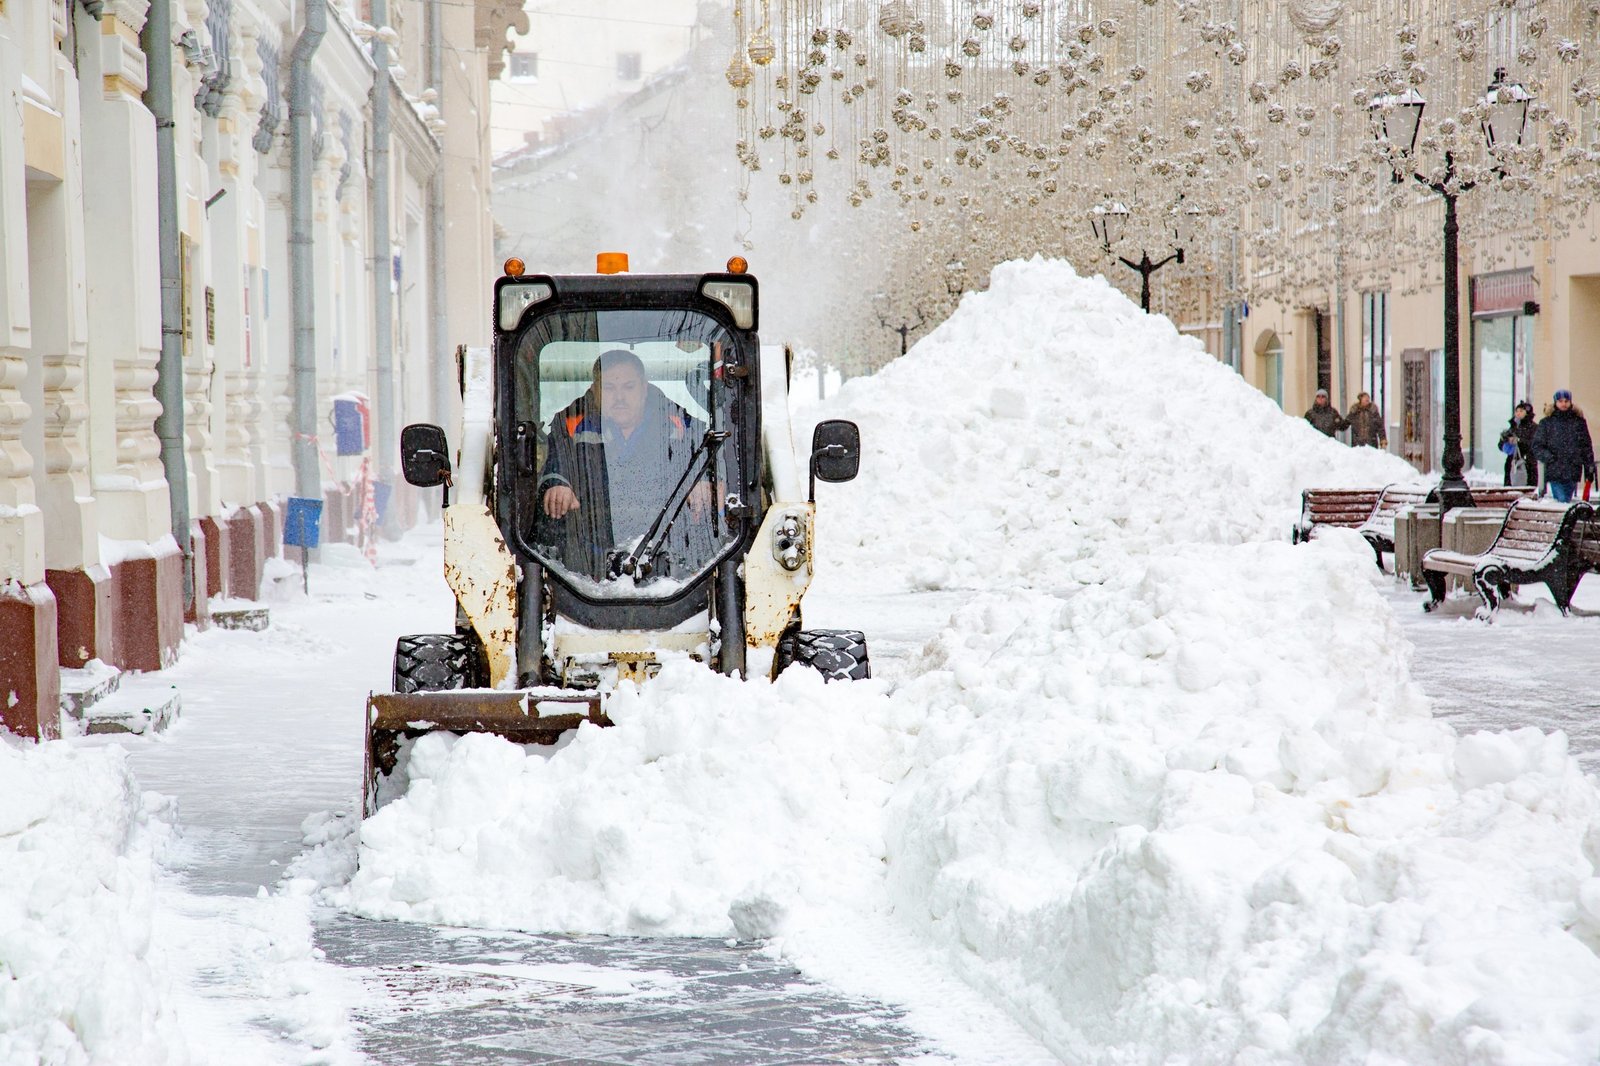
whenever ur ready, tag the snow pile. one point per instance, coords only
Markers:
(81, 977)
(1198, 813)
(1166, 794)
(1049, 430)
(706, 789)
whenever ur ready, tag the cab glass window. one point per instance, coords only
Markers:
(624, 459)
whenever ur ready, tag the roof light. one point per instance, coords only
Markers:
(611, 263)
(515, 267)
(737, 296)
(515, 299)
(738, 265)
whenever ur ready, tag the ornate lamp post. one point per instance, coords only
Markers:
(880, 304)
(1107, 221)
(1397, 120)
(955, 280)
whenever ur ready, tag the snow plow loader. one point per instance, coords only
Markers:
(625, 492)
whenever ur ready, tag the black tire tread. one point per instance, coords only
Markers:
(435, 662)
(836, 654)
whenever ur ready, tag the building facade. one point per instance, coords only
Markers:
(90, 568)
(573, 57)
(1527, 316)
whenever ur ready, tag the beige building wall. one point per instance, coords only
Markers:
(90, 567)
(1279, 339)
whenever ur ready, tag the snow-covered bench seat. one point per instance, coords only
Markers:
(1537, 543)
(1378, 529)
(1346, 508)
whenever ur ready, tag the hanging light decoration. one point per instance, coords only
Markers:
(973, 115)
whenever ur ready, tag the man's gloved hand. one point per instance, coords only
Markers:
(560, 499)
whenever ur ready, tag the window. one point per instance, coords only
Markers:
(627, 66)
(1375, 348)
(616, 408)
(1269, 356)
(524, 65)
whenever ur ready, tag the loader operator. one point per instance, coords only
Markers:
(613, 459)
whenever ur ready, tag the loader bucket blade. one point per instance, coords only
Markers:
(528, 716)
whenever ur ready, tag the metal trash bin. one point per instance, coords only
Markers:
(1470, 531)
(1416, 530)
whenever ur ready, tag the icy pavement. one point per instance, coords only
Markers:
(271, 733)
(1529, 667)
(444, 996)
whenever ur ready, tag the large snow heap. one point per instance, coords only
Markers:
(1050, 430)
(1163, 788)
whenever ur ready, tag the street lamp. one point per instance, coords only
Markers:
(955, 280)
(880, 304)
(1107, 221)
(1397, 118)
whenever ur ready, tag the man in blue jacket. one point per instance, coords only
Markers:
(1562, 443)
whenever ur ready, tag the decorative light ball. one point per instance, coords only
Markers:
(761, 50)
(739, 73)
(895, 18)
(982, 20)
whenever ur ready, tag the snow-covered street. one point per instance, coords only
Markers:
(1135, 781)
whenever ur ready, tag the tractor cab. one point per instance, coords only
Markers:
(625, 491)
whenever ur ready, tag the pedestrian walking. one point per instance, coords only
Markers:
(1516, 441)
(1366, 423)
(1562, 443)
(1324, 416)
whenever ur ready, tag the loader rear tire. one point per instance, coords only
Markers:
(836, 654)
(434, 662)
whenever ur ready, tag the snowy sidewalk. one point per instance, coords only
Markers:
(1529, 667)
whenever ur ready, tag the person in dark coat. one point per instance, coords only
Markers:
(1562, 443)
(1324, 416)
(613, 458)
(1366, 423)
(1518, 434)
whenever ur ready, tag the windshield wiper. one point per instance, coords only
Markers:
(640, 561)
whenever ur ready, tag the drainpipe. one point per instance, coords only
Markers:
(156, 42)
(384, 436)
(1232, 351)
(1338, 317)
(439, 358)
(302, 275)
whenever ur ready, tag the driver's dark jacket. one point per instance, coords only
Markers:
(621, 483)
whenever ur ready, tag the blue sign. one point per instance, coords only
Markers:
(303, 523)
(381, 491)
(350, 426)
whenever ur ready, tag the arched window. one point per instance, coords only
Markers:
(1269, 366)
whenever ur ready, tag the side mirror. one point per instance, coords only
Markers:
(424, 455)
(835, 452)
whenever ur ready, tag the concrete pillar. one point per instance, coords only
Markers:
(21, 522)
(57, 269)
(273, 179)
(29, 687)
(236, 419)
(124, 320)
(194, 135)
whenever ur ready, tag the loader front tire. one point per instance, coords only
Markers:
(434, 662)
(836, 654)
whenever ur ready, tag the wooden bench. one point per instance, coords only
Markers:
(1539, 542)
(1501, 495)
(1587, 532)
(1378, 529)
(1345, 508)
